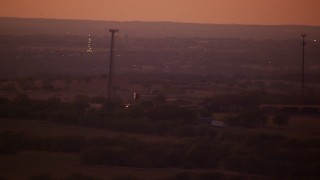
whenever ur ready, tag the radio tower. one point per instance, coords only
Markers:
(113, 31)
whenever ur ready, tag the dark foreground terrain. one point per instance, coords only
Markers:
(50, 139)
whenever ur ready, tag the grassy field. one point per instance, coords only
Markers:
(47, 129)
(59, 165)
(30, 163)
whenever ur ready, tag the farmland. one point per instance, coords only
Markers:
(53, 163)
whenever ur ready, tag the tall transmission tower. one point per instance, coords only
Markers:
(302, 67)
(113, 31)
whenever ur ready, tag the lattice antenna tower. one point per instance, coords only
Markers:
(89, 49)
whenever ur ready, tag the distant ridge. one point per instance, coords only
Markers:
(29, 26)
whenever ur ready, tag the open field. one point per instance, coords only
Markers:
(61, 165)
(47, 129)
(28, 163)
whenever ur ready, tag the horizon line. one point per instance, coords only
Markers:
(144, 21)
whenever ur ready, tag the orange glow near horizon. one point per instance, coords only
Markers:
(271, 12)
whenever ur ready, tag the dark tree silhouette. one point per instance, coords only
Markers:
(281, 119)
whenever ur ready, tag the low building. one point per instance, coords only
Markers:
(217, 123)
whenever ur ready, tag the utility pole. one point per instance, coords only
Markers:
(302, 70)
(113, 31)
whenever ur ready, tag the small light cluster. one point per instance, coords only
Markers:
(89, 50)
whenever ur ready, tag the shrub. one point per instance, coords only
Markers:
(202, 155)
(247, 118)
(10, 143)
(105, 156)
(281, 119)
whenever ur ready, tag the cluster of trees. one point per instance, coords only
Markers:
(22, 107)
(256, 98)
(255, 117)
(162, 119)
(281, 119)
(148, 117)
(247, 118)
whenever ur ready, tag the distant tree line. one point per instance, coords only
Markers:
(147, 117)
(161, 119)
(255, 98)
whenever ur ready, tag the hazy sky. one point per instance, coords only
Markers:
(304, 12)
